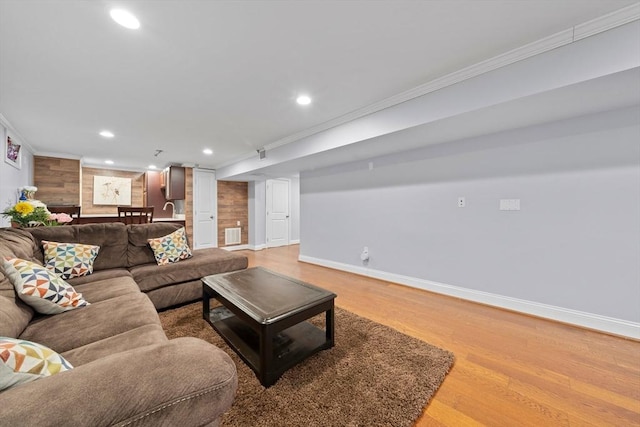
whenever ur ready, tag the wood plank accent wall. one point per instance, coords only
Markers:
(137, 189)
(58, 180)
(233, 206)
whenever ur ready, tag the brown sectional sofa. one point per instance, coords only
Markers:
(124, 251)
(126, 371)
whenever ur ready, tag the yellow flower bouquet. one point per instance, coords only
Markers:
(27, 214)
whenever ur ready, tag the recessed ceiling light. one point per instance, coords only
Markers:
(124, 18)
(208, 151)
(109, 162)
(106, 134)
(303, 100)
(151, 166)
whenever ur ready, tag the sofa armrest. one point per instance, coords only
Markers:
(185, 381)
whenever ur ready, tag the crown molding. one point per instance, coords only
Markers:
(4, 122)
(114, 167)
(606, 22)
(57, 155)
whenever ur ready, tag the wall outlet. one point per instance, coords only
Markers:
(238, 223)
(364, 256)
(462, 202)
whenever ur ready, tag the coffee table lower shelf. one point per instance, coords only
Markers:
(290, 346)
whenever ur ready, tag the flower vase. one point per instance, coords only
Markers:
(30, 224)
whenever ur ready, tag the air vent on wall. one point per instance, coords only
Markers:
(232, 236)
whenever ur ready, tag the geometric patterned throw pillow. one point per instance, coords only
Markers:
(42, 289)
(171, 248)
(24, 361)
(69, 260)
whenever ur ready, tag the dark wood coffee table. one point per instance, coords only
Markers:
(263, 318)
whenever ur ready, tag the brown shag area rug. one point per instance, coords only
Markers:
(374, 376)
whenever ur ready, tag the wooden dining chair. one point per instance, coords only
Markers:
(72, 211)
(135, 214)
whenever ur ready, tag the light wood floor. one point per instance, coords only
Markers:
(510, 370)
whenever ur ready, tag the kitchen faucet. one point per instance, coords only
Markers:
(164, 208)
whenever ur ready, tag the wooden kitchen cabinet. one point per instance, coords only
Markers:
(174, 181)
(154, 195)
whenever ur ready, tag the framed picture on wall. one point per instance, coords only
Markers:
(111, 190)
(13, 153)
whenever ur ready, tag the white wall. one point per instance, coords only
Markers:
(294, 206)
(574, 245)
(257, 215)
(11, 178)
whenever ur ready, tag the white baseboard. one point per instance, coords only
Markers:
(294, 242)
(565, 315)
(243, 247)
(235, 247)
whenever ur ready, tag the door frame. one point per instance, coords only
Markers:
(215, 210)
(266, 222)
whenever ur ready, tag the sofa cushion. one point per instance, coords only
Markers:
(135, 338)
(181, 382)
(42, 289)
(76, 328)
(25, 361)
(171, 248)
(108, 288)
(204, 262)
(17, 243)
(111, 237)
(98, 276)
(69, 259)
(14, 314)
(172, 295)
(139, 251)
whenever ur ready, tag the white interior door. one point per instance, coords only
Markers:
(205, 209)
(277, 212)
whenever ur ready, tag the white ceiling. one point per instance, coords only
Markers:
(225, 74)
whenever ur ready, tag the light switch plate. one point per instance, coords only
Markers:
(509, 204)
